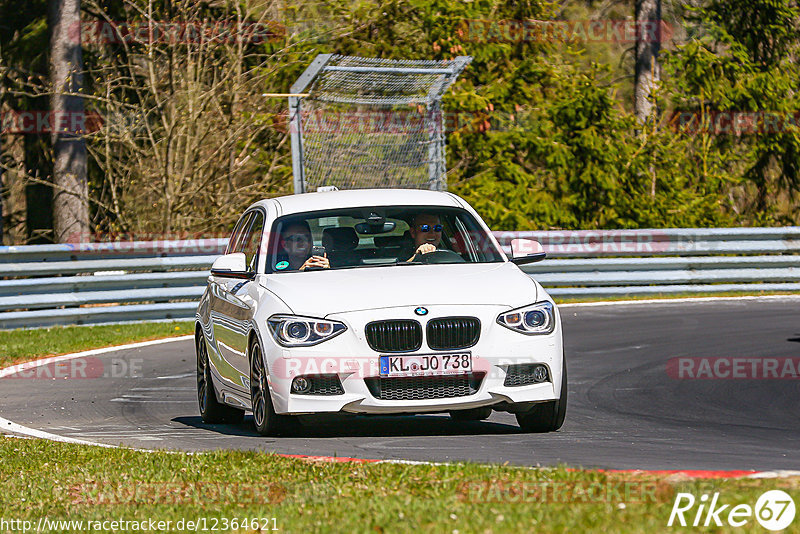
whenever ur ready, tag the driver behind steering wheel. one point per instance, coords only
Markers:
(426, 231)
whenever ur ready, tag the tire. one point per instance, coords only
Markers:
(547, 416)
(473, 414)
(211, 410)
(266, 421)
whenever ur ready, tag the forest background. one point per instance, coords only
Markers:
(179, 139)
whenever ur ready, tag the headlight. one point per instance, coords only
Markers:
(539, 318)
(296, 331)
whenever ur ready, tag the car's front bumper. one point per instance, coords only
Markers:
(358, 399)
(349, 357)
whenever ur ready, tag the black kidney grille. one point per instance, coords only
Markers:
(424, 387)
(453, 332)
(400, 335)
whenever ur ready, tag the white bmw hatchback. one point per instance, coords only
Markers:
(376, 302)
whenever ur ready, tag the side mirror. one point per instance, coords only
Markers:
(526, 251)
(232, 266)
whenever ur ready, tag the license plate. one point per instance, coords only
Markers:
(426, 364)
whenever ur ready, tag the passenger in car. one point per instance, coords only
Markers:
(297, 243)
(341, 243)
(426, 231)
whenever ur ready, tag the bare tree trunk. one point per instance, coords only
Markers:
(648, 71)
(648, 44)
(70, 192)
(3, 161)
(38, 192)
(2, 185)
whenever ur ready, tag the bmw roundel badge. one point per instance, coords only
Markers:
(421, 311)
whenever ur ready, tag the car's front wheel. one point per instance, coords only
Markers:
(267, 422)
(211, 410)
(546, 416)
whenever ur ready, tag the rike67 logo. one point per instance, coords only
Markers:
(774, 510)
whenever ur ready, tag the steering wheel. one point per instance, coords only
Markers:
(440, 256)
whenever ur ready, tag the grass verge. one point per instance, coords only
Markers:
(79, 483)
(22, 345)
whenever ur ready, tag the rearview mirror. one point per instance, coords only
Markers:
(526, 251)
(232, 266)
(368, 228)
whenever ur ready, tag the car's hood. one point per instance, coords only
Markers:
(320, 293)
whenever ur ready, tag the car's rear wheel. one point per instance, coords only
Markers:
(473, 414)
(211, 410)
(267, 422)
(547, 416)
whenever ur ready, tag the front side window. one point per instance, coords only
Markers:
(239, 232)
(380, 236)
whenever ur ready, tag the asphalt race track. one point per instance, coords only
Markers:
(625, 410)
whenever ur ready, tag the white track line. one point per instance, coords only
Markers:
(14, 369)
(676, 301)
(10, 426)
(15, 428)
(775, 474)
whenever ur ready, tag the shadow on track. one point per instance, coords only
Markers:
(348, 425)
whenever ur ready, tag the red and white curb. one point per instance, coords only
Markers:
(13, 429)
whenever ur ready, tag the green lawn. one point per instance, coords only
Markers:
(21, 345)
(72, 482)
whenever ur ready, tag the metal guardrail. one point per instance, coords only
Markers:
(46, 285)
(90, 283)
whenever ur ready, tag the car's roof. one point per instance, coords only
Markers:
(362, 197)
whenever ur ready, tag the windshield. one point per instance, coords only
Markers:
(376, 236)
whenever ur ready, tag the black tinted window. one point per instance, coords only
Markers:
(363, 237)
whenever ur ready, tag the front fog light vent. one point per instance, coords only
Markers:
(526, 374)
(301, 385)
(317, 385)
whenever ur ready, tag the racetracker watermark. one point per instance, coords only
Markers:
(733, 368)
(596, 242)
(431, 366)
(72, 122)
(547, 31)
(200, 493)
(774, 510)
(737, 123)
(549, 492)
(47, 122)
(77, 369)
(178, 32)
(162, 244)
(410, 121)
(121, 524)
